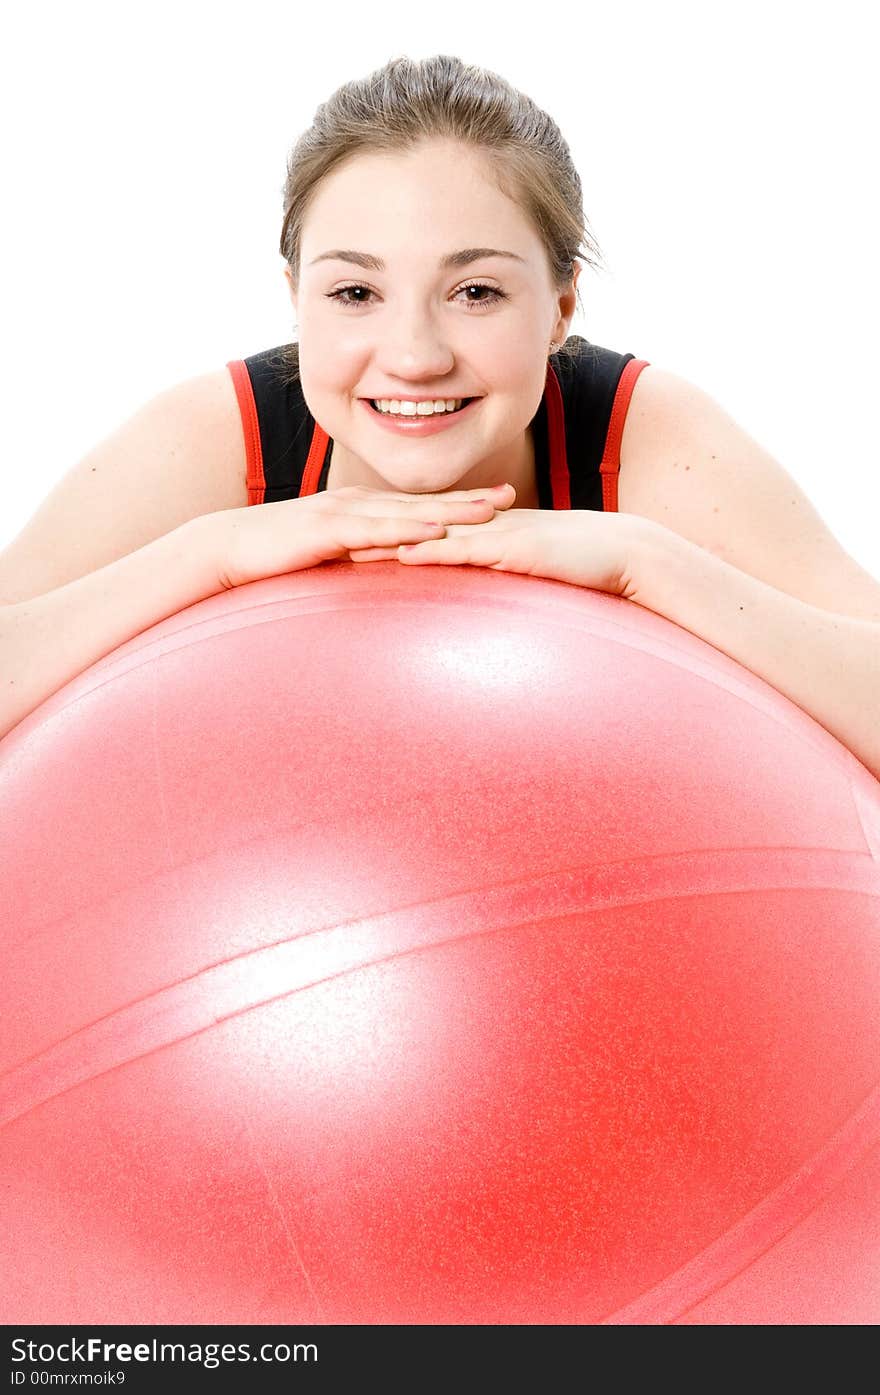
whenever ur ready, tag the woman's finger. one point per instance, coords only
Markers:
(373, 554)
(479, 549)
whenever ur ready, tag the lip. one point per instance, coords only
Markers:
(419, 426)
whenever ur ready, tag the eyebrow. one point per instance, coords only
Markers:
(453, 259)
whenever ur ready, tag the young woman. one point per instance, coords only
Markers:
(435, 410)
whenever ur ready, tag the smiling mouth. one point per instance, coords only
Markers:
(411, 415)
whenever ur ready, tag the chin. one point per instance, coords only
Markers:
(417, 479)
(436, 483)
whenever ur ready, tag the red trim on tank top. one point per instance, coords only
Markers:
(315, 462)
(250, 421)
(560, 487)
(610, 464)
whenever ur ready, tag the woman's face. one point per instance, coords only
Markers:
(412, 329)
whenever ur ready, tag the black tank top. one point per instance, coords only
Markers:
(577, 428)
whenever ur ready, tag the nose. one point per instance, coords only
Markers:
(415, 346)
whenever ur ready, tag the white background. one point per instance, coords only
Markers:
(727, 152)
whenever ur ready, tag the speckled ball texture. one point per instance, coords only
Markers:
(435, 945)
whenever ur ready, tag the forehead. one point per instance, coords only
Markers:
(439, 195)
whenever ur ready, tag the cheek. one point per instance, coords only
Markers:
(328, 375)
(341, 368)
(515, 360)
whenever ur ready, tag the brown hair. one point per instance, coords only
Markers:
(407, 102)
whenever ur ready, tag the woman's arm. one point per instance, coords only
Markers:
(47, 641)
(829, 664)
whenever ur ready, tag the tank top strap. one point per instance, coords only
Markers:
(278, 427)
(595, 386)
(609, 466)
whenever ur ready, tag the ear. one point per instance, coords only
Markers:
(567, 307)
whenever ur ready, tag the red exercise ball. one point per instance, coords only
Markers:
(435, 945)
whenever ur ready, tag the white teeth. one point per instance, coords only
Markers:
(421, 409)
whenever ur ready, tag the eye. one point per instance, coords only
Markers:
(344, 293)
(494, 294)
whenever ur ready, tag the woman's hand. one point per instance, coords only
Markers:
(353, 523)
(580, 546)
